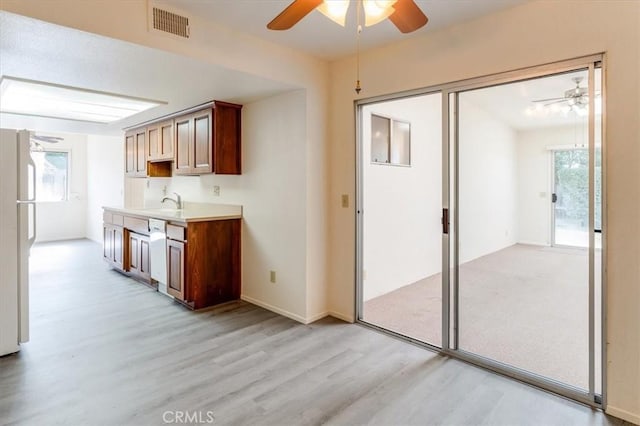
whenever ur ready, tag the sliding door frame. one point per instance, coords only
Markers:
(450, 240)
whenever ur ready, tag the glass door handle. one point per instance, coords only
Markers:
(445, 221)
(554, 198)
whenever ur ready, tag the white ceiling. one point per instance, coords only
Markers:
(509, 102)
(40, 51)
(321, 37)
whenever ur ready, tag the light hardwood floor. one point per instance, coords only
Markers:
(106, 350)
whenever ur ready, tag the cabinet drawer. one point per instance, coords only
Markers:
(135, 224)
(176, 232)
(107, 217)
(112, 218)
(118, 219)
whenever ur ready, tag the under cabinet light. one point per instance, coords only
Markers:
(28, 97)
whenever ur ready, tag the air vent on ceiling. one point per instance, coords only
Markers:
(169, 22)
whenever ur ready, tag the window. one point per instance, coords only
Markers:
(390, 141)
(52, 175)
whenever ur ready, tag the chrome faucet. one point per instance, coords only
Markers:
(177, 201)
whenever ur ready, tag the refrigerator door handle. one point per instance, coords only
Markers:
(31, 226)
(32, 182)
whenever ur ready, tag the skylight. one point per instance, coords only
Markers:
(27, 97)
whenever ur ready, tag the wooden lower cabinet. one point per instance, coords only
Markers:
(204, 265)
(139, 264)
(175, 269)
(203, 258)
(113, 245)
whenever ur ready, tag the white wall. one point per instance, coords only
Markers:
(488, 181)
(105, 179)
(534, 33)
(273, 192)
(64, 220)
(535, 178)
(403, 205)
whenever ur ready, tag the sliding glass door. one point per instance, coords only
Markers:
(523, 302)
(401, 195)
(501, 229)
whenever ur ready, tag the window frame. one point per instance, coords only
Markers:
(67, 186)
(390, 141)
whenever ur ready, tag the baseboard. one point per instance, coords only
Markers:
(317, 317)
(534, 243)
(623, 414)
(275, 309)
(343, 317)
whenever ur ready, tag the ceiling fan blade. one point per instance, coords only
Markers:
(293, 14)
(47, 139)
(556, 102)
(407, 16)
(550, 99)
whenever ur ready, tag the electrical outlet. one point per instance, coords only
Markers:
(345, 200)
(216, 190)
(272, 276)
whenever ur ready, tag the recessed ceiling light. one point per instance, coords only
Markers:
(28, 97)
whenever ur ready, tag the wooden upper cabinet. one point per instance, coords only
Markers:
(136, 153)
(183, 146)
(205, 141)
(208, 141)
(130, 154)
(160, 141)
(141, 152)
(227, 145)
(202, 142)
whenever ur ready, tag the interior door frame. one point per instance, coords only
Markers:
(450, 240)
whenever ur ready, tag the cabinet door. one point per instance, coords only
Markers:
(134, 253)
(175, 269)
(153, 142)
(202, 142)
(144, 263)
(160, 141)
(107, 242)
(130, 154)
(118, 247)
(182, 132)
(141, 153)
(227, 139)
(165, 143)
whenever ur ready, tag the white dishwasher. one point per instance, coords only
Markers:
(158, 253)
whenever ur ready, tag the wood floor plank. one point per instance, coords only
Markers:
(106, 350)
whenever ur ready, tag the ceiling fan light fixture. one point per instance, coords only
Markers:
(336, 10)
(376, 11)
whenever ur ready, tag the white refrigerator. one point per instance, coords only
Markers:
(17, 234)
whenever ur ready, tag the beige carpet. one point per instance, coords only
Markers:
(526, 306)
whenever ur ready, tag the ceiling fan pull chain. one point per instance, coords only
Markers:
(358, 31)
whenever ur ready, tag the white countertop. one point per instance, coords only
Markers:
(192, 212)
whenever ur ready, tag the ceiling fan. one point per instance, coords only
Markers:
(404, 14)
(47, 139)
(577, 96)
(36, 139)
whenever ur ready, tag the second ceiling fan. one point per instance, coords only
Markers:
(404, 14)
